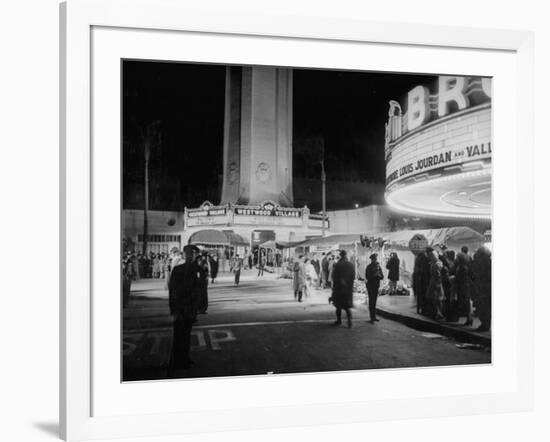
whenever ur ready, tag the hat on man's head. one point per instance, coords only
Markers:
(191, 248)
(373, 256)
(343, 253)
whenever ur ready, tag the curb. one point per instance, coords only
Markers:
(435, 327)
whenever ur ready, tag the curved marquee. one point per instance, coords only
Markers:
(439, 163)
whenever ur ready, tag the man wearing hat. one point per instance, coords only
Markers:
(184, 292)
(342, 287)
(373, 276)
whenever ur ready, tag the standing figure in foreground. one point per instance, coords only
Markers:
(373, 276)
(343, 275)
(183, 299)
(481, 274)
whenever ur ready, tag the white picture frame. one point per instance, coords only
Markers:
(80, 378)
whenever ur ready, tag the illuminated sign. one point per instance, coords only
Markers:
(453, 94)
(438, 149)
(439, 131)
(440, 159)
(268, 208)
(214, 211)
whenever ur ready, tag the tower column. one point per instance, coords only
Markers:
(258, 136)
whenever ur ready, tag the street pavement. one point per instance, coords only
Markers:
(259, 328)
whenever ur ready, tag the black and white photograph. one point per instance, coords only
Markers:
(279, 220)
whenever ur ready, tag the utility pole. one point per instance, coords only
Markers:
(323, 185)
(147, 154)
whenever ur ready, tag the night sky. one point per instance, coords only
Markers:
(347, 109)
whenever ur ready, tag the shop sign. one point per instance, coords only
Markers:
(207, 209)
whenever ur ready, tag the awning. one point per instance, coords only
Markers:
(275, 245)
(211, 237)
(235, 239)
(450, 236)
(332, 240)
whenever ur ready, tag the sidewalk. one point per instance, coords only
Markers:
(403, 310)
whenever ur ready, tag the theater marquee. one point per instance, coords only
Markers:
(438, 150)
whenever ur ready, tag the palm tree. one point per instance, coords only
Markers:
(151, 139)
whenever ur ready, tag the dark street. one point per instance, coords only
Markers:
(258, 328)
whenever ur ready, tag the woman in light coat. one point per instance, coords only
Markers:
(310, 277)
(298, 279)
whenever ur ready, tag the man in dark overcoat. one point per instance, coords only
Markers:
(481, 284)
(214, 265)
(393, 272)
(420, 281)
(373, 276)
(184, 292)
(342, 289)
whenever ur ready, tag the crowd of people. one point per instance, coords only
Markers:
(152, 265)
(450, 285)
(447, 285)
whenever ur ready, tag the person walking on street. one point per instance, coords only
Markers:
(373, 276)
(393, 272)
(261, 263)
(298, 278)
(183, 300)
(342, 287)
(214, 265)
(236, 268)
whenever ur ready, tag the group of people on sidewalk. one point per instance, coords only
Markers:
(305, 276)
(446, 285)
(450, 285)
(338, 275)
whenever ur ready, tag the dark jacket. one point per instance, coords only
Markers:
(343, 277)
(324, 265)
(374, 274)
(393, 268)
(214, 264)
(184, 290)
